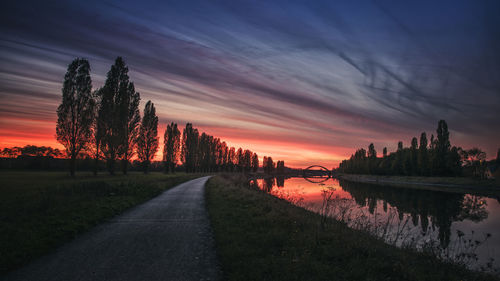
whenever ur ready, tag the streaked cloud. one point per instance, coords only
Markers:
(302, 81)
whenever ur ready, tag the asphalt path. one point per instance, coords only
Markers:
(166, 238)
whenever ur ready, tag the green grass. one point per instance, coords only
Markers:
(42, 210)
(261, 237)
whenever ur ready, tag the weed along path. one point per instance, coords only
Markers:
(166, 238)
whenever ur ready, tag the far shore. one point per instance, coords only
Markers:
(487, 187)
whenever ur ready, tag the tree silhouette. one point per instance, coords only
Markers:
(147, 141)
(231, 158)
(97, 134)
(119, 116)
(474, 158)
(423, 157)
(255, 163)
(190, 137)
(247, 160)
(442, 148)
(239, 157)
(76, 113)
(171, 147)
(268, 165)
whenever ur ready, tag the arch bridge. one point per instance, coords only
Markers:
(322, 170)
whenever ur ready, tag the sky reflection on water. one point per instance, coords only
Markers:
(403, 215)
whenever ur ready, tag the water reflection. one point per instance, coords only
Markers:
(412, 213)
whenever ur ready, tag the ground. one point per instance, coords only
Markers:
(261, 237)
(42, 210)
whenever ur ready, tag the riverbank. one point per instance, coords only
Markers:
(261, 237)
(42, 210)
(447, 184)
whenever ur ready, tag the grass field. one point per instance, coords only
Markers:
(261, 237)
(41, 210)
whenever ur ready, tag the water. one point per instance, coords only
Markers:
(458, 226)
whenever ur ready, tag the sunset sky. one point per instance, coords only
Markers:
(303, 81)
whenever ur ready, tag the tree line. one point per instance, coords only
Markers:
(107, 124)
(31, 150)
(434, 157)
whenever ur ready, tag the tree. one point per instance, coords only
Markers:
(423, 157)
(255, 163)
(474, 158)
(129, 109)
(190, 139)
(247, 160)
(442, 149)
(231, 158)
(76, 113)
(147, 141)
(498, 156)
(268, 165)
(171, 147)
(280, 167)
(372, 154)
(384, 152)
(414, 156)
(97, 134)
(119, 116)
(240, 160)
(397, 165)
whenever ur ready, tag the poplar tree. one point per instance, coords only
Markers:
(171, 147)
(119, 116)
(255, 163)
(147, 141)
(423, 157)
(442, 148)
(76, 113)
(190, 138)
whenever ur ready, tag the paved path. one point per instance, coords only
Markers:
(166, 238)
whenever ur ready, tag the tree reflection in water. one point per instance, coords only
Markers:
(404, 209)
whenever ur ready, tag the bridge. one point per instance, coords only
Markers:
(319, 175)
(322, 170)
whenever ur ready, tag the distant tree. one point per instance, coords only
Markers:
(264, 165)
(414, 156)
(247, 160)
(442, 149)
(372, 154)
(32, 150)
(171, 147)
(454, 161)
(280, 167)
(240, 160)
(76, 113)
(384, 152)
(498, 156)
(190, 139)
(147, 141)
(268, 165)
(423, 157)
(231, 159)
(475, 159)
(255, 163)
(223, 156)
(11, 152)
(397, 165)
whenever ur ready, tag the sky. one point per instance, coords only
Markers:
(308, 82)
